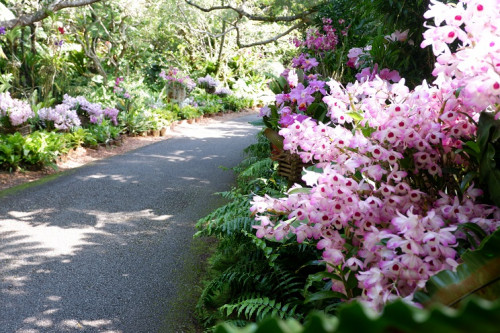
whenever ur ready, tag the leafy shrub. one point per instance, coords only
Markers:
(134, 121)
(211, 108)
(189, 112)
(104, 132)
(35, 151)
(78, 137)
(475, 279)
(476, 316)
(252, 278)
(236, 104)
(11, 149)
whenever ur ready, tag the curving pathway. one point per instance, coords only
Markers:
(102, 248)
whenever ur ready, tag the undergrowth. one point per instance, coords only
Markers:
(251, 278)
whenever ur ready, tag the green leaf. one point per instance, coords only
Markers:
(322, 295)
(466, 180)
(319, 324)
(274, 137)
(494, 186)
(486, 123)
(368, 131)
(315, 169)
(305, 190)
(354, 115)
(477, 230)
(479, 273)
(474, 146)
(475, 316)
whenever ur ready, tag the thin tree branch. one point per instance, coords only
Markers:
(252, 17)
(208, 33)
(267, 41)
(43, 13)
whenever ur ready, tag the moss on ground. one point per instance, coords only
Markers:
(181, 316)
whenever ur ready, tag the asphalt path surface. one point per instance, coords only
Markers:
(100, 248)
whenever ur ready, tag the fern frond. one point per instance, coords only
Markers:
(257, 169)
(256, 307)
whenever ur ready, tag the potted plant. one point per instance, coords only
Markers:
(14, 115)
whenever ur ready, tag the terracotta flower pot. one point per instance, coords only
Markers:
(23, 129)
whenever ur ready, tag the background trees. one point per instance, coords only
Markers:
(67, 43)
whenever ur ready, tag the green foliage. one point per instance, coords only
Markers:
(11, 151)
(485, 157)
(78, 137)
(252, 278)
(253, 306)
(134, 121)
(488, 135)
(35, 151)
(236, 104)
(478, 274)
(189, 112)
(5, 80)
(475, 316)
(370, 22)
(101, 133)
(211, 108)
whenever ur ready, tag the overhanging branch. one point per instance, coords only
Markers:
(252, 17)
(43, 13)
(267, 41)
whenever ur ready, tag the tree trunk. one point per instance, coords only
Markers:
(221, 49)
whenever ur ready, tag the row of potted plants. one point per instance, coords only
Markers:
(92, 124)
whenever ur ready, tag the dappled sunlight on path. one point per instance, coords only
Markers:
(101, 249)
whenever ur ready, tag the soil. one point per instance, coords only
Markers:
(82, 156)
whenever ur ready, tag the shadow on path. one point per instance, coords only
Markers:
(101, 249)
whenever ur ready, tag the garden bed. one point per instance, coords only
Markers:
(82, 156)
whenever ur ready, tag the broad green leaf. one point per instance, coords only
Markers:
(475, 316)
(315, 169)
(274, 137)
(494, 186)
(479, 273)
(467, 179)
(322, 295)
(305, 190)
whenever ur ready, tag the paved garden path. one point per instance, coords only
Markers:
(103, 248)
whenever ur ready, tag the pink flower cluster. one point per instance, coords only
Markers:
(304, 62)
(94, 111)
(372, 204)
(63, 117)
(223, 92)
(475, 66)
(324, 39)
(208, 82)
(120, 90)
(174, 76)
(385, 74)
(17, 112)
(355, 56)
